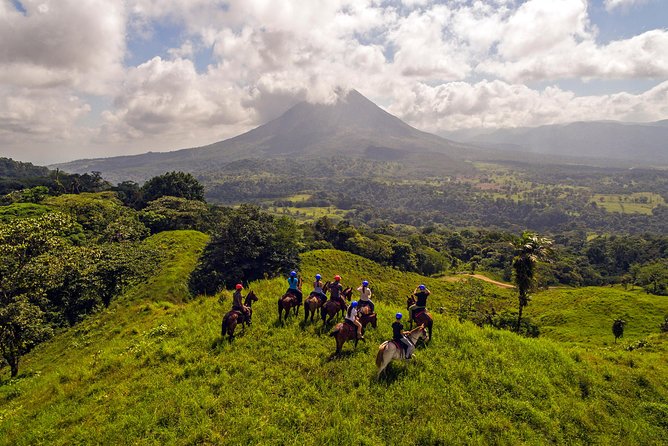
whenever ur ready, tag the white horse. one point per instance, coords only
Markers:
(388, 350)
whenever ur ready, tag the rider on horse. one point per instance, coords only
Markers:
(365, 297)
(293, 287)
(237, 303)
(421, 293)
(335, 290)
(399, 336)
(351, 317)
(317, 289)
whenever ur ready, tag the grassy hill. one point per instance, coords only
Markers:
(153, 370)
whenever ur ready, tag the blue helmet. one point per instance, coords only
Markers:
(399, 315)
(365, 283)
(293, 273)
(318, 277)
(422, 287)
(354, 304)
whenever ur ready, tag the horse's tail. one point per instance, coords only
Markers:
(379, 355)
(335, 332)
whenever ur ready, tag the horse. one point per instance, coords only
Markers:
(422, 317)
(330, 309)
(344, 331)
(366, 317)
(287, 302)
(231, 318)
(312, 303)
(388, 350)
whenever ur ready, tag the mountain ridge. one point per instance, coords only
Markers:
(643, 143)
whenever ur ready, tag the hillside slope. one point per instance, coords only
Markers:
(152, 371)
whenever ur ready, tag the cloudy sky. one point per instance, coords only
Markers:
(91, 78)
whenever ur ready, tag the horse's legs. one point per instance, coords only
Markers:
(339, 343)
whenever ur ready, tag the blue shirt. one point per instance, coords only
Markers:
(293, 282)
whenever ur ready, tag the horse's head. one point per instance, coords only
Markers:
(410, 301)
(250, 298)
(325, 287)
(347, 293)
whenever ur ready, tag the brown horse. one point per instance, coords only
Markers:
(422, 317)
(344, 331)
(331, 308)
(389, 351)
(312, 303)
(233, 317)
(287, 302)
(366, 317)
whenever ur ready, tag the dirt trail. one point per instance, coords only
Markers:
(480, 277)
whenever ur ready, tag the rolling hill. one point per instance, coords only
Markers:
(153, 370)
(353, 127)
(601, 142)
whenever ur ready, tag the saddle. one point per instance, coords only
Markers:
(401, 346)
(350, 323)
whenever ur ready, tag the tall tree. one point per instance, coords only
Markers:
(250, 245)
(22, 326)
(173, 184)
(529, 249)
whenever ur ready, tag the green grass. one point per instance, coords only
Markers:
(585, 315)
(635, 203)
(22, 210)
(149, 371)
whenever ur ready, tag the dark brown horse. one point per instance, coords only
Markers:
(422, 317)
(233, 317)
(331, 308)
(313, 302)
(344, 331)
(366, 317)
(286, 303)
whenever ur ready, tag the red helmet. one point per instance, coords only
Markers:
(337, 277)
(239, 286)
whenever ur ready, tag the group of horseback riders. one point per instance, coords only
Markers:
(353, 311)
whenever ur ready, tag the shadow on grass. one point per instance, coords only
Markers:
(393, 372)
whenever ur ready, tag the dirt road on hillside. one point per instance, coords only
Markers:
(479, 277)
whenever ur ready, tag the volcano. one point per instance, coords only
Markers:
(352, 127)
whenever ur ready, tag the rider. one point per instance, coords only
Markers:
(294, 287)
(365, 297)
(318, 290)
(351, 316)
(421, 293)
(399, 335)
(335, 290)
(237, 303)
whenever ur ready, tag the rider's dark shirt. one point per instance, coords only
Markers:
(421, 298)
(397, 331)
(236, 300)
(335, 290)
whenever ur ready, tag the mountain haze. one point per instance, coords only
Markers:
(641, 143)
(352, 127)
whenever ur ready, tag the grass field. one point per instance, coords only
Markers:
(636, 203)
(152, 370)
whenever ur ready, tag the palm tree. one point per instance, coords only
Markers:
(529, 249)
